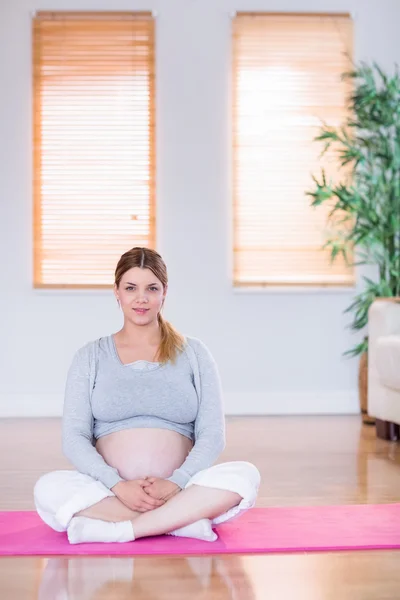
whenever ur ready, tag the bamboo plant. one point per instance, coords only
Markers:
(365, 204)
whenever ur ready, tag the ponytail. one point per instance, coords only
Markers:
(171, 343)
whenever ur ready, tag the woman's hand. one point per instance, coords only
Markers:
(133, 495)
(161, 489)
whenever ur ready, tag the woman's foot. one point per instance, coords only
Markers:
(200, 530)
(82, 530)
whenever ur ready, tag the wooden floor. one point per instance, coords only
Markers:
(303, 461)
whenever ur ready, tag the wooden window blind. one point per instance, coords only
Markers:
(94, 144)
(286, 80)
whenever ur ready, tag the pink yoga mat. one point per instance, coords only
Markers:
(260, 530)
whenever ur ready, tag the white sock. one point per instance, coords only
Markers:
(84, 529)
(201, 530)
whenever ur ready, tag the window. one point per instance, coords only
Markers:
(94, 144)
(286, 79)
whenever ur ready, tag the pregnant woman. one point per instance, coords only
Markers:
(143, 424)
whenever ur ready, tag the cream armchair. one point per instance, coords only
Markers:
(384, 366)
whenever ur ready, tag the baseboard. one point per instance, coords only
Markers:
(241, 403)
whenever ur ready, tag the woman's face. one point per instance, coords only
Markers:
(140, 289)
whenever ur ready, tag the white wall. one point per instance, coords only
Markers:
(278, 352)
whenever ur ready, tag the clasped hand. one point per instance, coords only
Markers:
(145, 494)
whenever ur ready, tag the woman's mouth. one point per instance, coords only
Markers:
(141, 311)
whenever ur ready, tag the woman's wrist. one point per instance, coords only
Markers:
(117, 486)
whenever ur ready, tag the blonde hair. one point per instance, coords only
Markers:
(172, 341)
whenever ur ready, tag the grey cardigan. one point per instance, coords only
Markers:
(77, 425)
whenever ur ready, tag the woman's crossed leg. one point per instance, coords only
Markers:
(91, 512)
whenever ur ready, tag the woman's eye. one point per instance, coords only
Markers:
(131, 288)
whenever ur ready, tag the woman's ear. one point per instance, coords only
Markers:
(115, 290)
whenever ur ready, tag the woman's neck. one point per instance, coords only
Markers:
(146, 335)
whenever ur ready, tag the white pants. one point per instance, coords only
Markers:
(61, 494)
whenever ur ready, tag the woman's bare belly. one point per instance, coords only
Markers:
(137, 453)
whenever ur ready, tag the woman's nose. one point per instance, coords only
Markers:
(142, 297)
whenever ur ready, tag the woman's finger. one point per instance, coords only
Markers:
(142, 481)
(145, 506)
(151, 500)
(150, 493)
(136, 508)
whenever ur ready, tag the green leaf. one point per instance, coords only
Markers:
(358, 349)
(362, 202)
